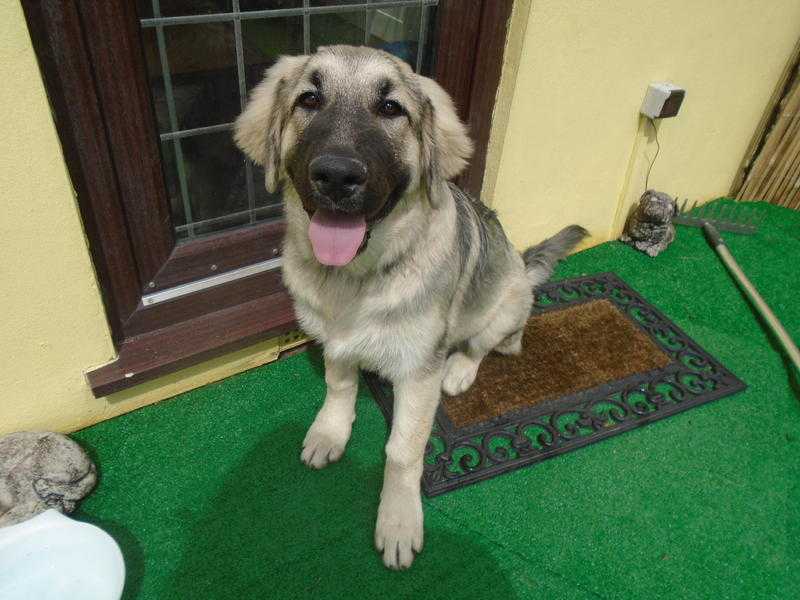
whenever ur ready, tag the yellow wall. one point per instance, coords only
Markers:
(565, 143)
(53, 327)
(52, 324)
(573, 149)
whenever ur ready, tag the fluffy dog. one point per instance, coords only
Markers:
(391, 268)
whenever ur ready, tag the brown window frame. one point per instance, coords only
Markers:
(92, 63)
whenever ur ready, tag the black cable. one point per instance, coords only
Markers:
(652, 162)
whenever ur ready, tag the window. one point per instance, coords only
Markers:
(184, 238)
(202, 60)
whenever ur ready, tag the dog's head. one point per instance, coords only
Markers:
(353, 130)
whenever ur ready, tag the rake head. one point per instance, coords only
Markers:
(735, 217)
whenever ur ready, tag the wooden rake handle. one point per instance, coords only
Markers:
(713, 237)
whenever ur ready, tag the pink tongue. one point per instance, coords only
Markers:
(336, 238)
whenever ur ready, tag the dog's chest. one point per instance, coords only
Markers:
(375, 323)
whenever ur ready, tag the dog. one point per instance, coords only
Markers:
(391, 267)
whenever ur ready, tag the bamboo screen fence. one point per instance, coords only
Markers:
(771, 169)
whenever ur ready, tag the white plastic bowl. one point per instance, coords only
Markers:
(52, 557)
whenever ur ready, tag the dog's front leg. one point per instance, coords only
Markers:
(398, 532)
(328, 434)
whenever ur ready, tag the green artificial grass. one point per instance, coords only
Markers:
(208, 499)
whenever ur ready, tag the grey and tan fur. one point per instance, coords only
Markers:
(436, 285)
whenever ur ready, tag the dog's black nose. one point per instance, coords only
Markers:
(337, 177)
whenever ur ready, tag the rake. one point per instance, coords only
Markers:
(737, 218)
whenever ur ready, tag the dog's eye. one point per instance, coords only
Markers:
(310, 100)
(390, 109)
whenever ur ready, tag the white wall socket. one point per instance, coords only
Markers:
(662, 100)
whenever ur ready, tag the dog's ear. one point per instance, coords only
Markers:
(444, 143)
(259, 129)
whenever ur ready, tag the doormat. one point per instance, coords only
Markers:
(597, 360)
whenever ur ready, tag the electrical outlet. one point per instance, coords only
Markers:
(662, 100)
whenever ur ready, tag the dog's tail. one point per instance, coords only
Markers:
(541, 259)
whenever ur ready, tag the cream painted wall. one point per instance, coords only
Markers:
(53, 327)
(573, 148)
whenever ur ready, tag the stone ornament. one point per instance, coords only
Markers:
(42, 470)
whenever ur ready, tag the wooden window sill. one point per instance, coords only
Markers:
(150, 355)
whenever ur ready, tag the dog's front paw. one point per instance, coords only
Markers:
(398, 532)
(325, 441)
(459, 373)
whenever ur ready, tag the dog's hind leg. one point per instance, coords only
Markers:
(328, 434)
(503, 333)
(462, 366)
(512, 343)
(461, 369)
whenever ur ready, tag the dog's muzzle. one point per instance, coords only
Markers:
(338, 227)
